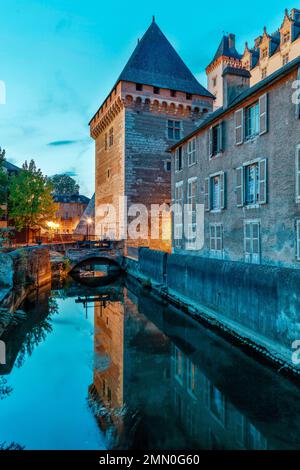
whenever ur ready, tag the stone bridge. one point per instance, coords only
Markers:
(82, 256)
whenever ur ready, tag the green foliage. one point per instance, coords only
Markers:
(30, 200)
(64, 185)
(3, 180)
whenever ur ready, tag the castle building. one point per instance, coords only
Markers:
(246, 172)
(269, 53)
(155, 102)
(226, 56)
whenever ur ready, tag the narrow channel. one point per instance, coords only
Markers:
(115, 368)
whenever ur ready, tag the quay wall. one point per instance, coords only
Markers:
(259, 303)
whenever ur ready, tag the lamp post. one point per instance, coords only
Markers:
(88, 224)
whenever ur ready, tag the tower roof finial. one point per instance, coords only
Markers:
(153, 19)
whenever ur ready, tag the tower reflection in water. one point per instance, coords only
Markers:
(161, 381)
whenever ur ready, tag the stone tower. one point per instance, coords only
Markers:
(225, 56)
(155, 102)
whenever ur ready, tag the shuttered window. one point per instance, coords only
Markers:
(251, 183)
(192, 152)
(192, 201)
(215, 191)
(178, 214)
(252, 248)
(263, 114)
(178, 159)
(216, 238)
(216, 139)
(239, 126)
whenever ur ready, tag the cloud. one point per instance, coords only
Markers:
(58, 143)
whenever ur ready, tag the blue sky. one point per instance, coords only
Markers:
(60, 58)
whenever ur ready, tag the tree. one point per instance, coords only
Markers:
(30, 199)
(64, 184)
(3, 180)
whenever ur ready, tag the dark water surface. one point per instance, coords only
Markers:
(114, 368)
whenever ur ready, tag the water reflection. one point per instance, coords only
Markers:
(157, 379)
(163, 381)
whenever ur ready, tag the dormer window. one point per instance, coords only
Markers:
(139, 87)
(156, 90)
(285, 59)
(264, 53)
(286, 37)
(173, 93)
(188, 96)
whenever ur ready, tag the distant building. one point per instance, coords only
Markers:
(69, 211)
(155, 102)
(86, 224)
(269, 53)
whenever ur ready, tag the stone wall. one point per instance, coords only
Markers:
(23, 269)
(259, 303)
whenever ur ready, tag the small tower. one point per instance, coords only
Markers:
(225, 56)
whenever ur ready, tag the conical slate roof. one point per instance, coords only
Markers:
(89, 213)
(155, 62)
(225, 50)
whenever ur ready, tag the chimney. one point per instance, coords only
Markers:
(231, 40)
(235, 81)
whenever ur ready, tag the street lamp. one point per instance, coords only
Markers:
(89, 222)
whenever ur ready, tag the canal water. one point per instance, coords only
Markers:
(115, 368)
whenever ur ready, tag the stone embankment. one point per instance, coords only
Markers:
(257, 307)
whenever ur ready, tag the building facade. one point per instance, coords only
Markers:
(269, 53)
(246, 172)
(69, 210)
(155, 102)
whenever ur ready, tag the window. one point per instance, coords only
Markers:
(263, 73)
(178, 214)
(251, 187)
(252, 121)
(192, 201)
(217, 403)
(174, 130)
(178, 159)
(173, 93)
(285, 59)
(156, 90)
(191, 376)
(167, 165)
(192, 152)
(215, 192)
(178, 357)
(105, 141)
(214, 82)
(189, 96)
(111, 136)
(216, 238)
(139, 87)
(286, 37)
(252, 242)
(298, 240)
(216, 135)
(108, 173)
(251, 184)
(264, 53)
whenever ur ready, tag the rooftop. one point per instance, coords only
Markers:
(277, 75)
(71, 199)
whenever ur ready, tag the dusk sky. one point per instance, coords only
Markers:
(60, 58)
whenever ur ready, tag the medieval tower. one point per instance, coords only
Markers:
(155, 102)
